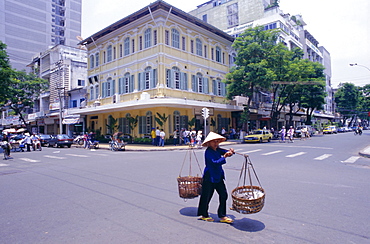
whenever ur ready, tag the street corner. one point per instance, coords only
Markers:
(365, 152)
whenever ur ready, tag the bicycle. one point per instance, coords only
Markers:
(117, 146)
(6, 150)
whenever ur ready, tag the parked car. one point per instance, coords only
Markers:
(44, 140)
(258, 136)
(60, 140)
(310, 130)
(330, 130)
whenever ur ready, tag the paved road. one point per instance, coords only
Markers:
(316, 192)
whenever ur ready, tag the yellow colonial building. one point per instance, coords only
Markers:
(158, 60)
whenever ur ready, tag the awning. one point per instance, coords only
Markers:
(71, 121)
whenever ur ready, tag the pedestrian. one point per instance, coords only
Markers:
(186, 134)
(291, 133)
(213, 178)
(175, 137)
(161, 138)
(27, 140)
(282, 134)
(181, 135)
(157, 134)
(5, 145)
(223, 132)
(153, 135)
(232, 133)
(199, 139)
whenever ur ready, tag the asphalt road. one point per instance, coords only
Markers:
(317, 191)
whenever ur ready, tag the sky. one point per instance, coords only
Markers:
(341, 26)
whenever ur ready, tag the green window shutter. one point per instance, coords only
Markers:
(113, 85)
(206, 85)
(141, 81)
(223, 88)
(120, 85)
(131, 84)
(104, 89)
(194, 84)
(153, 81)
(214, 87)
(184, 81)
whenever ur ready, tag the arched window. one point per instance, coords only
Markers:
(199, 47)
(92, 93)
(176, 120)
(148, 38)
(148, 79)
(108, 88)
(175, 38)
(109, 53)
(127, 46)
(124, 125)
(125, 84)
(97, 92)
(218, 54)
(92, 63)
(146, 123)
(96, 59)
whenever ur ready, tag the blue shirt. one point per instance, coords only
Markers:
(214, 162)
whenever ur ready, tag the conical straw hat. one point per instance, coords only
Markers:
(212, 136)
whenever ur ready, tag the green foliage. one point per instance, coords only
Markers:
(191, 122)
(161, 119)
(113, 124)
(17, 88)
(347, 99)
(132, 123)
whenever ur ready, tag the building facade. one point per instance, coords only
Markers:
(29, 27)
(66, 70)
(235, 16)
(158, 62)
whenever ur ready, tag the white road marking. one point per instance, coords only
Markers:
(3, 165)
(273, 152)
(295, 155)
(78, 155)
(351, 160)
(324, 156)
(252, 151)
(56, 152)
(30, 160)
(49, 156)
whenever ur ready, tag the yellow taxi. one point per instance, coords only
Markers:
(330, 130)
(258, 136)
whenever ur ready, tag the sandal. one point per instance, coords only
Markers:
(226, 220)
(208, 219)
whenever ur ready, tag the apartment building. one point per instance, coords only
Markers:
(66, 70)
(158, 60)
(29, 27)
(235, 16)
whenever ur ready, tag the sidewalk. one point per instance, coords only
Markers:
(146, 147)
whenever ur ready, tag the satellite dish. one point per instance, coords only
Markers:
(83, 47)
(79, 38)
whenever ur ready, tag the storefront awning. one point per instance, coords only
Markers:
(71, 121)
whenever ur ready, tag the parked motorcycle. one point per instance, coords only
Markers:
(79, 140)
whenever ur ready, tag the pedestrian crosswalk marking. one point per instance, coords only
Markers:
(351, 160)
(273, 152)
(324, 156)
(49, 156)
(78, 155)
(3, 165)
(30, 160)
(295, 155)
(252, 151)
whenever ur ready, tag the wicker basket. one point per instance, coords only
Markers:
(248, 199)
(189, 186)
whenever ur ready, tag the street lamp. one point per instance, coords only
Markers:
(355, 64)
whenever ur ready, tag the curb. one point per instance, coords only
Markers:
(365, 152)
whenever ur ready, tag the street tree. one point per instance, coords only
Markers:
(251, 71)
(347, 99)
(23, 90)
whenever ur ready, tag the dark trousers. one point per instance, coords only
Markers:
(208, 189)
